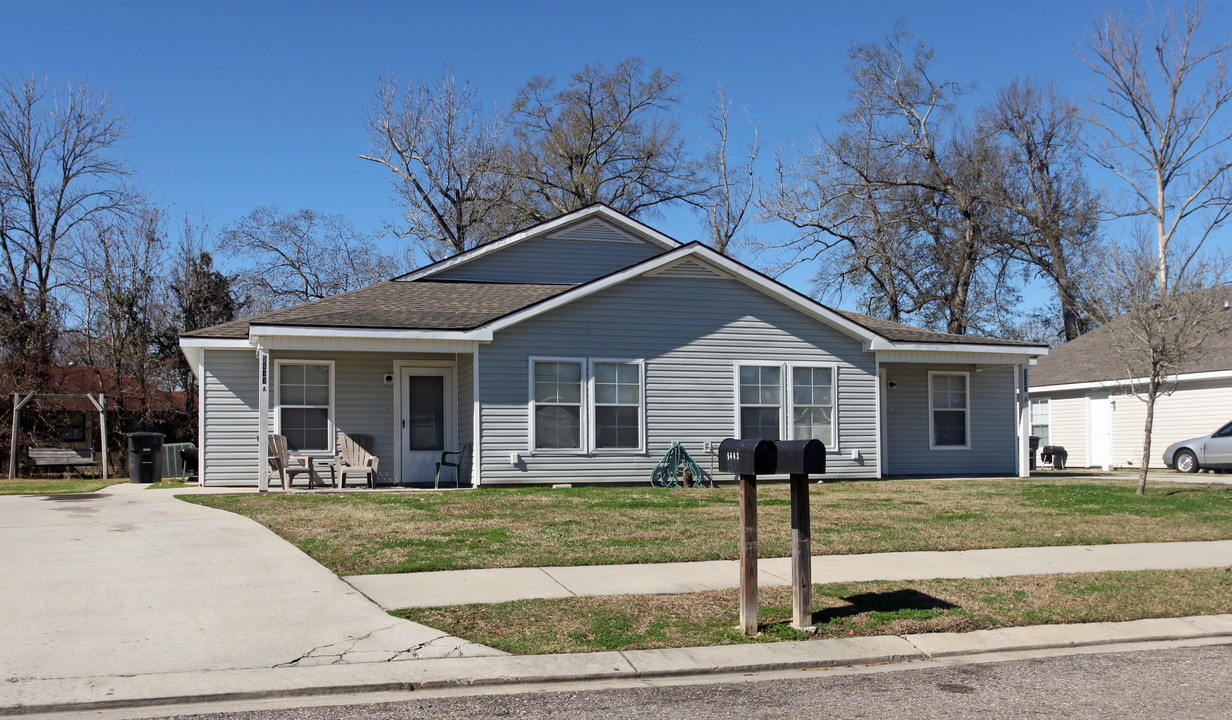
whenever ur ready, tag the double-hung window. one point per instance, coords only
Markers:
(812, 403)
(948, 405)
(1041, 420)
(305, 412)
(617, 405)
(786, 401)
(558, 404)
(586, 405)
(761, 402)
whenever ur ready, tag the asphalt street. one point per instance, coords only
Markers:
(1188, 683)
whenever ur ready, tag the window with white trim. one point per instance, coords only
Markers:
(949, 426)
(1041, 420)
(305, 412)
(761, 401)
(786, 401)
(586, 405)
(617, 405)
(812, 404)
(557, 405)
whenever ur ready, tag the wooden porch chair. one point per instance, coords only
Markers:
(354, 457)
(457, 466)
(286, 466)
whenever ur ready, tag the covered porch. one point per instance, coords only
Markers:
(413, 397)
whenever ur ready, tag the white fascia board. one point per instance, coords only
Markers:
(215, 343)
(1033, 350)
(477, 335)
(1110, 384)
(700, 252)
(628, 223)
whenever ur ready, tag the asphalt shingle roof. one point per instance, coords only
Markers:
(1093, 357)
(896, 332)
(419, 305)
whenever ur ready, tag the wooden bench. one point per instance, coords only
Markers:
(59, 457)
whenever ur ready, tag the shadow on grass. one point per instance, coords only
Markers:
(885, 602)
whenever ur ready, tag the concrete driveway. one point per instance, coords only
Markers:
(133, 581)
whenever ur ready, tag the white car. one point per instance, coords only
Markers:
(1210, 452)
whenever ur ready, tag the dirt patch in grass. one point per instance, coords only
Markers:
(631, 622)
(358, 533)
(54, 486)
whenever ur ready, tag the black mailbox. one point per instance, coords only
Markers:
(801, 457)
(747, 457)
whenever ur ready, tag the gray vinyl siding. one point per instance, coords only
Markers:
(993, 430)
(229, 391)
(551, 261)
(689, 332)
(363, 404)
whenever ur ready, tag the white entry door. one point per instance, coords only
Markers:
(428, 426)
(1100, 433)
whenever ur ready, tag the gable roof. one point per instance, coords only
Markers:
(1093, 358)
(878, 334)
(468, 310)
(584, 221)
(393, 305)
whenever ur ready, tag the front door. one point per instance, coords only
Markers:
(427, 420)
(1100, 433)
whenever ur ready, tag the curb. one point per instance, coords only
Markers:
(97, 693)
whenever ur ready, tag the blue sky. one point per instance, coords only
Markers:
(236, 105)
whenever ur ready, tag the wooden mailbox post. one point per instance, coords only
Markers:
(797, 459)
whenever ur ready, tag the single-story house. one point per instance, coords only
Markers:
(579, 350)
(1083, 401)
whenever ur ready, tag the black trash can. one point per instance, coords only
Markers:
(1034, 441)
(145, 457)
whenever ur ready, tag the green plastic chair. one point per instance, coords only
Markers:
(457, 466)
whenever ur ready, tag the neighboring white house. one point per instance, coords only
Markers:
(580, 350)
(1082, 400)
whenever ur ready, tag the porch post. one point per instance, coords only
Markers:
(1024, 421)
(100, 403)
(476, 445)
(263, 406)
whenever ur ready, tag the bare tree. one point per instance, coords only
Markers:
(446, 154)
(1053, 213)
(1157, 333)
(904, 189)
(58, 176)
(605, 137)
(120, 304)
(1162, 126)
(304, 255)
(859, 230)
(732, 181)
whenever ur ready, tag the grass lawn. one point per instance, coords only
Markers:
(631, 622)
(357, 533)
(54, 486)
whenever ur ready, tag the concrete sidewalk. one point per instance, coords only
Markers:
(456, 587)
(537, 672)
